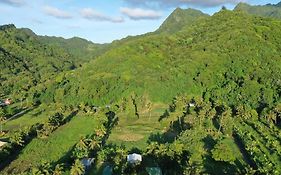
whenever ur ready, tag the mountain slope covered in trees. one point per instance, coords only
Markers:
(28, 60)
(269, 10)
(222, 61)
(201, 96)
(179, 19)
(77, 47)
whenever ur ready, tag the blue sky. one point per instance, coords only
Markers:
(101, 20)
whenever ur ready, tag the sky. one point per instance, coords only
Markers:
(101, 21)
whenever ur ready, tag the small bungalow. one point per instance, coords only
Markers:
(8, 101)
(2, 143)
(5, 102)
(134, 158)
(87, 162)
(191, 104)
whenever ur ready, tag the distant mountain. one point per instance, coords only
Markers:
(25, 61)
(28, 59)
(180, 18)
(82, 50)
(268, 10)
(219, 57)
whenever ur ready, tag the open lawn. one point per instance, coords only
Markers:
(34, 115)
(135, 132)
(56, 146)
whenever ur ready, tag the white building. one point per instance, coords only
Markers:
(2, 143)
(134, 158)
(87, 162)
(191, 105)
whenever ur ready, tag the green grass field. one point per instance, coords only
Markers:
(134, 132)
(56, 146)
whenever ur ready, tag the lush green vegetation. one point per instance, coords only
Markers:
(268, 10)
(180, 18)
(201, 95)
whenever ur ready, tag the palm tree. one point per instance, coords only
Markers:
(82, 143)
(58, 169)
(95, 143)
(100, 132)
(17, 138)
(77, 168)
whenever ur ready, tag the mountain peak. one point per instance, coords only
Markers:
(180, 18)
(268, 10)
(7, 26)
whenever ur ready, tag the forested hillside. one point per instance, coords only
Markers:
(227, 62)
(269, 10)
(79, 48)
(28, 60)
(179, 19)
(201, 95)
(25, 61)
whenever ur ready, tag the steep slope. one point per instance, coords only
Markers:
(25, 61)
(180, 18)
(269, 10)
(222, 77)
(221, 58)
(79, 48)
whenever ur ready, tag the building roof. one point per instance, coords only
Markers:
(133, 158)
(2, 143)
(87, 162)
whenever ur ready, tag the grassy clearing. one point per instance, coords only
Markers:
(37, 115)
(134, 132)
(56, 146)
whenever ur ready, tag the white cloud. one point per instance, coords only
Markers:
(175, 3)
(138, 13)
(17, 3)
(92, 14)
(57, 13)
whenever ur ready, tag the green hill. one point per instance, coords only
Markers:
(269, 10)
(202, 97)
(222, 61)
(179, 19)
(25, 61)
(28, 60)
(79, 48)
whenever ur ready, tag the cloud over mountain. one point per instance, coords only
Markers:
(57, 13)
(91, 14)
(175, 3)
(138, 13)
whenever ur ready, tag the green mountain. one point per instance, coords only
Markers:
(201, 59)
(77, 47)
(28, 60)
(198, 97)
(25, 61)
(269, 10)
(180, 18)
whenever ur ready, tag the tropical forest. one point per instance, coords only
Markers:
(199, 95)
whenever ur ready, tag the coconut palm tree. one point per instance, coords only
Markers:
(94, 143)
(100, 132)
(58, 169)
(77, 168)
(17, 139)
